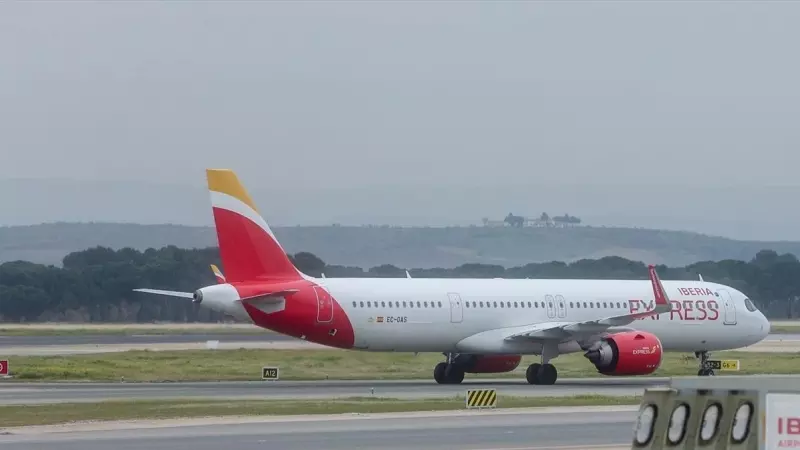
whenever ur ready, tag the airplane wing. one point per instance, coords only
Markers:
(562, 330)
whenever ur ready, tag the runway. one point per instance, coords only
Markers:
(550, 428)
(39, 393)
(134, 339)
(87, 344)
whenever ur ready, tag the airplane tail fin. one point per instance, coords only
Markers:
(247, 246)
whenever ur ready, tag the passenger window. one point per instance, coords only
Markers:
(618, 305)
(440, 304)
(405, 305)
(501, 304)
(369, 304)
(584, 304)
(383, 304)
(419, 305)
(537, 304)
(516, 305)
(466, 304)
(362, 304)
(410, 304)
(571, 305)
(495, 304)
(481, 303)
(354, 304)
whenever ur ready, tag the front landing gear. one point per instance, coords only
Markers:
(705, 367)
(448, 373)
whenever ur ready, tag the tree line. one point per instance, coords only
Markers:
(95, 285)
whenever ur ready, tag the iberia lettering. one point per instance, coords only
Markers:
(681, 309)
(789, 425)
(696, 291)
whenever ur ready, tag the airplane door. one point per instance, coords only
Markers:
(549, 303)
(728, 306)
(324, 305)
(561, 306)
(456, 311)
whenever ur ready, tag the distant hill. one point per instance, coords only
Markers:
(412, 247)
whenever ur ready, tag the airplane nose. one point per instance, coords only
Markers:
(765, 326)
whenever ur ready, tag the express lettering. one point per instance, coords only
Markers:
(789, 425)
(681, 309)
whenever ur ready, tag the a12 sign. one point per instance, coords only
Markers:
(3, 367)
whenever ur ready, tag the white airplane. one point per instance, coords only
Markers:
(480, 325)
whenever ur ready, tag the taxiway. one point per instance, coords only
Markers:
(38, 393)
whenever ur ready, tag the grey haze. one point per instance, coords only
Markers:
(678, 115)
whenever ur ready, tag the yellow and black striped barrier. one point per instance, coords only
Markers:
(481, 398)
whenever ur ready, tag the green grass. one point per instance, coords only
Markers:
(785, 329)
(245, 364)
(12, 416)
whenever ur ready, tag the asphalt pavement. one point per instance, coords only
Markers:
(463, 430)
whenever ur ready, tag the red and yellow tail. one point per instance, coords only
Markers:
(218, 274)
(247, 247)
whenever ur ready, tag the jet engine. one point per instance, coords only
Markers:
(626, 354)
(221, 298)
(493, 363)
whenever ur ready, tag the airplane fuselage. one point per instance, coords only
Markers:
(468, 315)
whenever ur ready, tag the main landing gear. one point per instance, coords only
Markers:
(448, 372)
(544, 373)
(705, 370)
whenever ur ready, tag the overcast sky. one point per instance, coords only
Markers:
(681, 114)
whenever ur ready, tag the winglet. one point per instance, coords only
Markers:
(662, 303)
(218, 274)
(408, 275)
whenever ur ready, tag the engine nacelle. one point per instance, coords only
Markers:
(493, 363)
(627, 354)
(221, 298)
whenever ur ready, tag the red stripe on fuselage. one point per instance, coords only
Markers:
(300, 319)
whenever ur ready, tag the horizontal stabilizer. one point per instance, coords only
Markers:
(169, 293)
(277, 295)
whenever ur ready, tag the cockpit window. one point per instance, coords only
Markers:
(749, 305)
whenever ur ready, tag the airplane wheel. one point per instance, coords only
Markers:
(547, 374)
(453, 374)
(532, 374)
(438, 373)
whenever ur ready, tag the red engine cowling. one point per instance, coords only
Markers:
(494, 363)
(626, 354)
